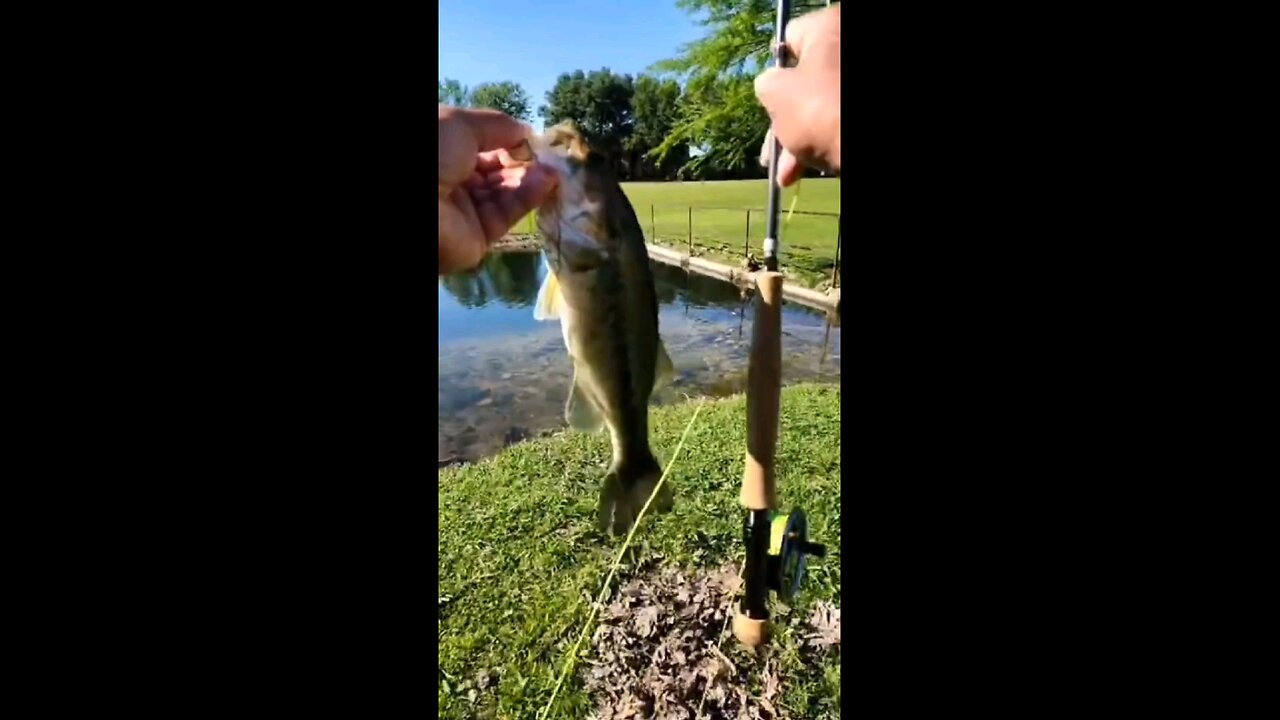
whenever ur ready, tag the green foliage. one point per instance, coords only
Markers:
(720, 113)
(721, 116)
(506, 96)
(453, 93)
(599, 104)
(621, 117)
(511, 277)
(655, 107)
(738, 41)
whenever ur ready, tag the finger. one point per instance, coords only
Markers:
(491, 162)
(495, 159)
(521, 191)
(508, 203)
(787, 96)
(789, 169)
(765, 148)
(494, 130)
(539, 178)
(778, 91)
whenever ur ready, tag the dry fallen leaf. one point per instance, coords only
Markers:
(656, 653)
(825, 622)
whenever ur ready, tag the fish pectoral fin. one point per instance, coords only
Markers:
(549, 299)
(579, 412)
(664, 370)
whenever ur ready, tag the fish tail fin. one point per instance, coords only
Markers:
(627, 488)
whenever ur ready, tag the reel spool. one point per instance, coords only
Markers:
(789, 551)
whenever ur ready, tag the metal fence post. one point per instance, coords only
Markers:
(746, 241)
(690, 231)
(653, 226)
(835, 267)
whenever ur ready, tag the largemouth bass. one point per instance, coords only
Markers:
(600, 287)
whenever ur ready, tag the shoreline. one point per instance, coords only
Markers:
(828, 300)
(817, 299)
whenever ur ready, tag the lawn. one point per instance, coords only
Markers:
(519, 552)
(808, 246)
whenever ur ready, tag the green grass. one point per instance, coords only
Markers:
(808, 242)
(519, 553)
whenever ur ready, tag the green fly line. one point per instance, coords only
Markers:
(595, 607)
(794, 199)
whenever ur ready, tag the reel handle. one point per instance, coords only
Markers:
(764, 388)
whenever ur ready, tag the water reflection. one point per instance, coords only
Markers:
(504, 377)
(508, 277)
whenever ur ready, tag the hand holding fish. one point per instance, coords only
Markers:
(483, 191)
(803, 102)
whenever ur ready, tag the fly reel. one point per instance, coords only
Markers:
(778, 551)
(789, 551)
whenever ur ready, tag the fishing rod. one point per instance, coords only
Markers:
(777, 543)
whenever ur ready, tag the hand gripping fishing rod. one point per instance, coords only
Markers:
(777, 543)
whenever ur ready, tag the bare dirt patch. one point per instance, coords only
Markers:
(657, 652)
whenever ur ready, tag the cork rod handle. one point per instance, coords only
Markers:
(764, 380)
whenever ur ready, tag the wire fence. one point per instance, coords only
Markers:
(809, 245)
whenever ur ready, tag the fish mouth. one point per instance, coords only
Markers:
(563, 150)
(572, 218)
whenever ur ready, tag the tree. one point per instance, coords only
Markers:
(655, 108)
(720, 112)
(453, 93)
(722, 117)
(507, 277)
(599, 104)
(506, 96)
(514, 276)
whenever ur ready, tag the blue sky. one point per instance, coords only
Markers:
(532, 43)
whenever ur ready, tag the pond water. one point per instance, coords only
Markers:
(505, 377)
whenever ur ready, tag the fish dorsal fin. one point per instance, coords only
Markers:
(549, 300)
(579, 412)
(664, 371)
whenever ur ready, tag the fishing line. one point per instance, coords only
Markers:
(600, 598)
(794, 199)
